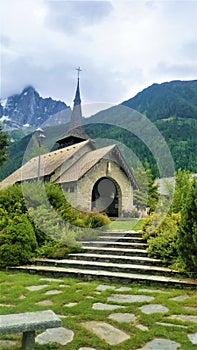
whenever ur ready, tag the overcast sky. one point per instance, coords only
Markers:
(121, 46)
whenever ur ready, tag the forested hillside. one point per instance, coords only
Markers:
(176, 99)
(171, 107)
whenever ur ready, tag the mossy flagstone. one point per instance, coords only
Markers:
(53, 292)
(58, 335)
(45, 302)
(170, 325)
(180, 298)
(102, 306)
(105, 331)
(123, 317)
(161, 344)
(153, 308)
(128, 298)
(70, 304)
(193, 338)
(186, 318)
(103, 287)
(38, 287)
(141, 327)
(85, 348)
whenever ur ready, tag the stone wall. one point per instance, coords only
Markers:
(82, 196)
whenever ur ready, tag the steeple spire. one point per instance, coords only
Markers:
(75, 132)
(77, 100)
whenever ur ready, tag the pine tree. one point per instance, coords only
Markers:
(4, 142)
(187, 235)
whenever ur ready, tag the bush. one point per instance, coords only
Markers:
(83, 219)
(162, 239)
(187, 233)
(17, 242)
(56, 250)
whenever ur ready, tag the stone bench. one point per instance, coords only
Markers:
(27, 323)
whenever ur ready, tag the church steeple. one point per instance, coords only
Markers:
(76, 116)
(77, 100)
(75, 132)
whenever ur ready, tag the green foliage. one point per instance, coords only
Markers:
(37, 215)
(147, 195)
(172, 99)
(182, 187)
(187, 234)
(56, 250)
(162, 236)
(17, 242)
(82, 219)
(4, 142)
(11, 199)
(54, 194)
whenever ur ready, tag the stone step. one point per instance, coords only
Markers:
(128, 239)
(138, 260)
(112, 244)
(119, 251)
(107, 276)
(122, 233)
(117, 267)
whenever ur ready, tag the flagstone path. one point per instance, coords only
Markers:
(108, 331)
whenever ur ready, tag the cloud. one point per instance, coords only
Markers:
(71, 16)
(121, 46)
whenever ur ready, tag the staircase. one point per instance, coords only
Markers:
(114, 257)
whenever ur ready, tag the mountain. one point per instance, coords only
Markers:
(28, 110)
(175, 99)
(170, 107)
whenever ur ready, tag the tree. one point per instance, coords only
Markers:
(4, 143)
(182, 187)
(147, 195)
(187, 234)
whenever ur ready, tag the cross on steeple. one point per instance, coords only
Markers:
(78, 70)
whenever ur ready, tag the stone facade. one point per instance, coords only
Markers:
(80, 192)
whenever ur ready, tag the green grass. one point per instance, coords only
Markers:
(16, 298)
(126, 225)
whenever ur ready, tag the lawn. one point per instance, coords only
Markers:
(126, 225)
(16, 298)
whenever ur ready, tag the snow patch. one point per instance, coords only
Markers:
(4, 102)
(4, 117)
(26, 125)
(25, 93)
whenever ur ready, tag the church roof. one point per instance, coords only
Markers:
(84, 164)
(49, 162)
(90, 159)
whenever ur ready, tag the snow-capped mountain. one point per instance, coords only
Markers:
(30, 110)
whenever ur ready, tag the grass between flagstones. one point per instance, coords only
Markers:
(16, 298)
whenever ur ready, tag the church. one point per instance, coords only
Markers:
(92, 179)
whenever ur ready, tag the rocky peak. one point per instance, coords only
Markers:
(28, 109)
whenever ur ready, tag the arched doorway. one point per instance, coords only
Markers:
(105, 197)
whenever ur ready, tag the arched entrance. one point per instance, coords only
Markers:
(106, 197)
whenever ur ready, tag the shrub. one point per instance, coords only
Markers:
(56, 250)
(11, 199)
(187, 233)
(54, 194)
(162, 239)
(17, 242)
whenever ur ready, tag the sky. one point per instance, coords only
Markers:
(121, 46)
